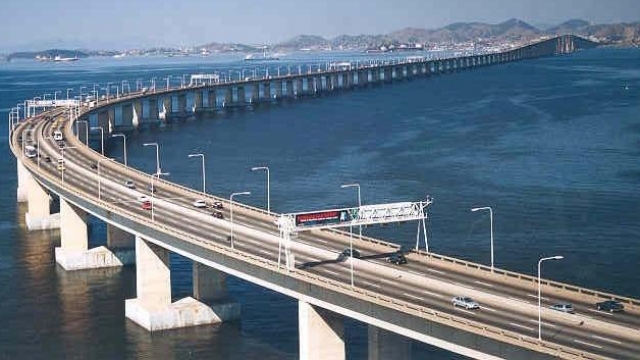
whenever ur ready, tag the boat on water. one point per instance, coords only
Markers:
(59, 58)
(264, 57)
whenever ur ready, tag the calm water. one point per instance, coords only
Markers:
(553, 145)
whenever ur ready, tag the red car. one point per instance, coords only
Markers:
(146, 205)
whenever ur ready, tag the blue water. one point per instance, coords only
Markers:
(552, 144)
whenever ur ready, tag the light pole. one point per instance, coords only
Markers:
(63, 162)
(356, 185)
(266, 168)
(157, 155)
(558, 257)
(99, 178)
(86, 130)
(153, 191)
(101, 138)
(124, 145)
(491, 222)
(68, 89)
(204, 174)
(55, 95)
(231, 210)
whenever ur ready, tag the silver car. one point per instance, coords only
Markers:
(568, 308)
(465, 302)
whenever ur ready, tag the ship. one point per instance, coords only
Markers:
(265, 57)
(59, 58)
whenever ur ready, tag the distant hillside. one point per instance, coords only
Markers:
(52, 53)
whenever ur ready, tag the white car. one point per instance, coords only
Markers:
(143, 198)
(200, 203)
(465, 302)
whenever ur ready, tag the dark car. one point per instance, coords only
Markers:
(94, 165)
(397, 258)
(216, 205)
(610, 306)
(217, 214)
(47, 159)
(347, 253)
(152, 189)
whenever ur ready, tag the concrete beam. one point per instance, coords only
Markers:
(166, 107)
(137, 113)
(321, 333)
(385, 345)
(22, 193)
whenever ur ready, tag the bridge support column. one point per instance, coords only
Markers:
(152, 308)
(289, 89)
(127, 117)
(241, 98)
(212, 99)
(122, 244)
(137, 113)
(298, 87)
(103, 119)
(385, 345)
(73, 253)
(321, 333)
(198, 102)
(278, 89)
(166, 108)
(38, 216)
(22, 193)
(255, 93)
(153, 109)
(227, 96)
(210, 287)
(266, 91)
(182, 103)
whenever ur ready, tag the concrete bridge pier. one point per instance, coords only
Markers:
(333, 82)
(212, 99)
(386, 345)
(152, 308)
(210, 287)
(166, 108)
(198, 101)
(227, 96)
(387, 74)
(38, 216)
(122, 244)
(289, 88)
(74, 253)
(255, 93)
(241, 98)
(298, 87)
(153, 109)
(182, 103)
(266, 90)
(137, 113)
(277, 87)
(22, 192)
(127, 117)
(321, 333)
(105, 119)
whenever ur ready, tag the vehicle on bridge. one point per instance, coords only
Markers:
(348, 253)
(147, 205)
(129, 184)
(397, 258)
(610, 306)
(568, 308)
(30, 151)
(217, 214)
(217, 205)
(57, 135)
(199, 203)
(465, 302)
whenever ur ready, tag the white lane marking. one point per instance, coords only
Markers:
(536, 296)
(264, 251)
(415, 273)
(601, 312)
(516, 299)
(332, 272)
(543, 323)
(432, 294)
(319, 240)
(463, 310)
(436, 271)
(606, 339)
(486, 308)
(588, 344)
(413, 296)
(522, 326)
(372, 284)
(483, 283)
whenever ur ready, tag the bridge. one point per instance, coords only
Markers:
(398, 302)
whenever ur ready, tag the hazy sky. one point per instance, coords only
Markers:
(120, 24)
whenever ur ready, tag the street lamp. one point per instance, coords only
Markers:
(86, 130)
(99, 178)
(68, 89)
(204, 175)
(157, 155)
(558, 257)
(55, 95)
(491, 221)
(153, 191)
(124, 145)
(231, 211)
(101, 137)
(356, 185)
(63, 162)
(266, 168)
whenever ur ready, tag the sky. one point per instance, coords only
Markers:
(123, 24)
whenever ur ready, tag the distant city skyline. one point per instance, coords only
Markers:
(120, 24)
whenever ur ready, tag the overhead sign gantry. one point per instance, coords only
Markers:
(349, 217)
